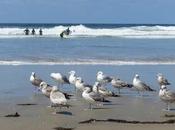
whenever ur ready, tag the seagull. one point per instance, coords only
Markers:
(46, 90)
(72, 77)
(167, 96)
(139, 85)
(80, 84)
(103, 79)
(57, 98)
(118, 83)
(61, 79)
(97, 88)
(35, 80)
(162, 80)
(92, 97)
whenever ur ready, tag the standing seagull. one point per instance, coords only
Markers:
(103, 79)
(61, 79)
(139, 85)
(117, 83)
(35, 80)
(46, 90)
(58, 99)
(72, 77)
(80, 84)
(167, 96)
(92, 97)
(97, 88)
(162, 80)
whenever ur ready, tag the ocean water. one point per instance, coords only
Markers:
(117, 50)
(90, 44)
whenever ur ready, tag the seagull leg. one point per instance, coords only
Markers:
(60, 107)
(142, 94)
(35, 90)
(118, 90)
(75, 89)
(55, 110)
(90, 106)
(138, 92)
(168, 107)
(58, 86)
(50, 105)
(61, 85)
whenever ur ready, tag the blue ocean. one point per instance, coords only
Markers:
(118, 50)
(89, 44)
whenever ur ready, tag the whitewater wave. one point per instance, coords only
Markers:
(88, 62)
(84, 31)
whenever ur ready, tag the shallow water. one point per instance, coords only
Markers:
(87, 49)
(15, 79)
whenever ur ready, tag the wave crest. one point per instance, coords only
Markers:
(84, 31)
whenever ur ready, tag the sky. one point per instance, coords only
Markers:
(88, 11)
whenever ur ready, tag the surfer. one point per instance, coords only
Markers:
(65, 32)
(33, 31)
(61, 34)
(40, 32)
(26, 31)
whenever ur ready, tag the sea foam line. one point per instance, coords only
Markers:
(83, 31)
(116, 63)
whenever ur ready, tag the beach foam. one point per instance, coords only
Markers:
(88, 62)
(84, 31)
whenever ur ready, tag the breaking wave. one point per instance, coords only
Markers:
(155, 31)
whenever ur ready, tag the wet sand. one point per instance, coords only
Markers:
(16, 89)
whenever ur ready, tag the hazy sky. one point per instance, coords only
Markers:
(87, 11)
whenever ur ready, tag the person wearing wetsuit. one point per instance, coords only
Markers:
(26, 31)
(33, 31)
(40, 32)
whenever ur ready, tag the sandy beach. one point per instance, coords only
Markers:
(16, 91)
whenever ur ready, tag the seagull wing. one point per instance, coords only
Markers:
(107, 78)
(37, 81)
(65, 79)
(165, 81)
(170, 94)
(146, 87)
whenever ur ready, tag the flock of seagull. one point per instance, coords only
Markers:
(98, 92)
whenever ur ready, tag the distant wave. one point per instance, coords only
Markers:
(88, 62)
(156, 31)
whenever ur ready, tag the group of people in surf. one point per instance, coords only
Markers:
(33, 32)
(66, 32)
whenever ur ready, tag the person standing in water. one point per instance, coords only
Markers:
(26, 31)
(40, 32)
(33, 31)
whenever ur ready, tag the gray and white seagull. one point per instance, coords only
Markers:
(162, 80)
(61, 79)
(166, 96)
(140, 85)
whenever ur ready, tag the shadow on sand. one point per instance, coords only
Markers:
(65, 113)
